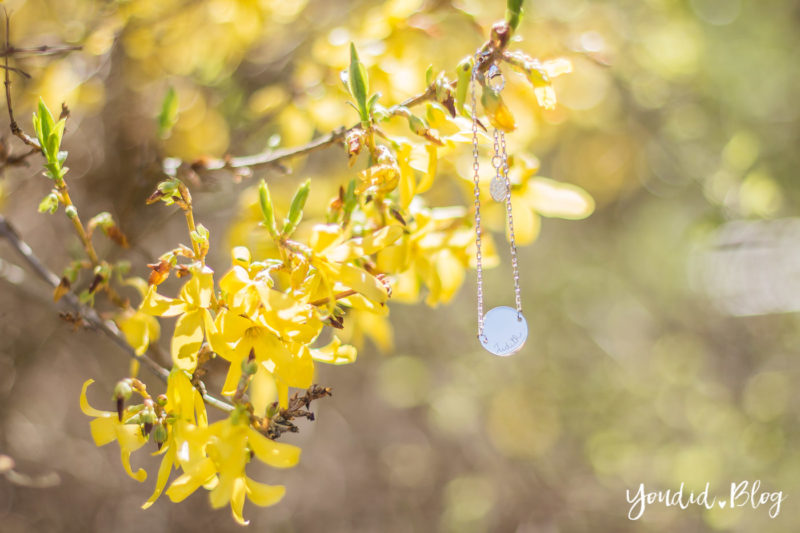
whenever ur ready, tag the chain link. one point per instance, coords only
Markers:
(512, 239)
(500, 164)
(477, 179)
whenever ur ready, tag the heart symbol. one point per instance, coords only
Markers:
(722, 504)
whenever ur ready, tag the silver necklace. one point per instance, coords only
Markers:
(502, 330)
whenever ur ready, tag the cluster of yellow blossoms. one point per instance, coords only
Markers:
(267, 316)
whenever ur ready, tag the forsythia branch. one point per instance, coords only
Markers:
(273, 157)
(108, 327)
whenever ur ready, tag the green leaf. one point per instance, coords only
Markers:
(51, 147)
(168, 115)
(513, 13)
(359, 83)
(429, 75)
(58, 130)
(296, 209)
(417, 124)
(46, 122)
(102, 220)
(267, 211)
(372, 101)
(49, 203)
(350, 200)
(464, 77)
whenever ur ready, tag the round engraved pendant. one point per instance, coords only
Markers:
(504, 331)
(498, 189)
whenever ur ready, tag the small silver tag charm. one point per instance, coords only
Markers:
(498, 189)
(504, 331)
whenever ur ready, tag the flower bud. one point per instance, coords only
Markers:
(249, 367)
(122, 392)
(148, 419)
(71, 211)
(160, 435)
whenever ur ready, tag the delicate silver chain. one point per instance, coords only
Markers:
(477, 179)
(500, 164)
(512, 240)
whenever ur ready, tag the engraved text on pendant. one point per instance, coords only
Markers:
(498, 189)
(504, 331)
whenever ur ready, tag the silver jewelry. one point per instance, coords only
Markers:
(503, 330)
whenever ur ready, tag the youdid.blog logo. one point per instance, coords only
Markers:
(742, 494)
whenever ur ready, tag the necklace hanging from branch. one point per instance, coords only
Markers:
(502, 330)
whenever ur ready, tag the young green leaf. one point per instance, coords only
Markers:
(372, 101)
(49, 203)
(296, 209)
(46, 123)
(359, 84)
(267, 212)
(350, 200)
(464, 77)
(168, 115)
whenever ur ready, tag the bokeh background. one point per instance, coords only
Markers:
(663, 329)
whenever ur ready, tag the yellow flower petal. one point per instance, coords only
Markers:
(237, 500)
(234, 281)
(275, 454)
(366, 245)
(103, 430)
(240, 255)
(407, 182)
(430, 172)
(262, 390)
(335, 353)
(88, 409)
(180, 395)
(546, 96)
(164, 470)
(155, 304)
(526, 222)
(232, 379)
(184, 485)
(197, 291)
(323, 236)
(359, 280)
(140, 330)
(231, 327)
(187, 339)
(130, 439)
(264, 495)
(377, 328)
(283, 394)
(552, 198)
(221, 494)
(450, 272)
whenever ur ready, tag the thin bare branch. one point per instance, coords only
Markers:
(273, 157)
(15, 129)
(43, 50)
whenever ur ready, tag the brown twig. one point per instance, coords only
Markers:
(43, 50)
(15, 129)
(273, 157)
